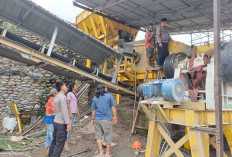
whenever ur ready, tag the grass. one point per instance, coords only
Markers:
(4, 143)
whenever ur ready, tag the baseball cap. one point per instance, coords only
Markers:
(53, 91)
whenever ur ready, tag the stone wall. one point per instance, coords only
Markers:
(28, 86)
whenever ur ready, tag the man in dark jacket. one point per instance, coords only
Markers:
(163, 38)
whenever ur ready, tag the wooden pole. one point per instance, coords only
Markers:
(218, 78)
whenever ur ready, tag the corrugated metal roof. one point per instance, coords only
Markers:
(183, 15)
(36, 19)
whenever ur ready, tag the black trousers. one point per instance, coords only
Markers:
(59, 138)
(162, 53)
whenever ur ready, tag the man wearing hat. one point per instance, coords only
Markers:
(163, 38)
(49, 118)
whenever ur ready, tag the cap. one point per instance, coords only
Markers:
(53, 91)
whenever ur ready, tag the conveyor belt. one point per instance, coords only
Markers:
(19, 49)
(37, 47)
(26, 14)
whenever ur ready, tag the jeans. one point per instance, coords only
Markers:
(74, 115)
(49, 137)
(59, 138)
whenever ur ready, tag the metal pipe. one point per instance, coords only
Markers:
(52, 41)
(218, 78)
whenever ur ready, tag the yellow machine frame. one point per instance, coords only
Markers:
(190, 115)
(102, 28)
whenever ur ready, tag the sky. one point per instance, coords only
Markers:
(61, 8)
(65, 10)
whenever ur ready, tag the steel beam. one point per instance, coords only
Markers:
(177, 116)
(116, 70)
(51, 45)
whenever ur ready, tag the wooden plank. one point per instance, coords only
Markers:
(140, 127)
(135, 120)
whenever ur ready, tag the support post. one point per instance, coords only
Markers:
(153, 140)
(4, 32)
(51, 45)
(228, 134)
(116, 70)
(217, 78)
(191, 34)
(104, 67)
(88, 63)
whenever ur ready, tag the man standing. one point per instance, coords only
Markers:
(149, 44)
(102, 107)
(62, 123)
(163, 38)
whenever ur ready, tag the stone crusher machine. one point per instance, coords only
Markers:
(186, 98)
(183, 96)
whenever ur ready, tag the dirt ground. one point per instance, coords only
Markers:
(82, 138)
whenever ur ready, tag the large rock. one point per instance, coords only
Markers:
(25, 102)
(37, 75)
(3, 88)
(16, 101)
(26, 89)
(37, 106)
(36, 85)
(11, 83)
(5, 77)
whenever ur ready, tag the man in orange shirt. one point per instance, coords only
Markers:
(49, 118)
(149, 44)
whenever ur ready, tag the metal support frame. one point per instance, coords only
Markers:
(208, 37)
(218, 78)
(197, 122)
(116, 70)
(51, 45)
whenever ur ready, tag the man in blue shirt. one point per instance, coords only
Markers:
(102, 107)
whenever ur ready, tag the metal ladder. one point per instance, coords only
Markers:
(158, 69)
